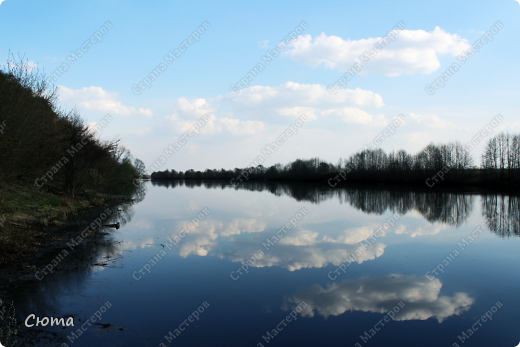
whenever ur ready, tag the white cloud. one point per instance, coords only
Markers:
(353, 235)
(214, 229)
(210, 127)
(433, 121)
(242, 225)
(299, 251)
(420, 297)
(293, 99)
(301, 238)
(292, 94)
(98, 100)
(186, 111)
(413, 52)
(354, 115)
(241, 128)
(194, 108)
(200, 240)
(420, 231)
(296, 111)
(289, 100)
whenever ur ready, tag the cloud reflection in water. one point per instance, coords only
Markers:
(421, 298)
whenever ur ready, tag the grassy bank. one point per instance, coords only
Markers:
(24, 209)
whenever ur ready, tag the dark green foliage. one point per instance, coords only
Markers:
(41, 143)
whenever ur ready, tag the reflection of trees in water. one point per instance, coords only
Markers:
(124, 212)
(139, 192)
(445, 207)
(43, 298)
(502, 213)
(453, 208)
(369, 201)
(300, 192)
(435, 206)
(167, 183)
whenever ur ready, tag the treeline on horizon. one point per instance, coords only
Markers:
(436, 163)
(46, 146)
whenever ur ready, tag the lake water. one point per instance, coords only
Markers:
(293, 265)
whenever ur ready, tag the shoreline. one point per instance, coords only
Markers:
(413, 185)
(43, 240)
(56, 237)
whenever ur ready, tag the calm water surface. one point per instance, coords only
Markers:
(341, 275)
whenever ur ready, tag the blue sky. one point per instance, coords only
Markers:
(237, 36)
